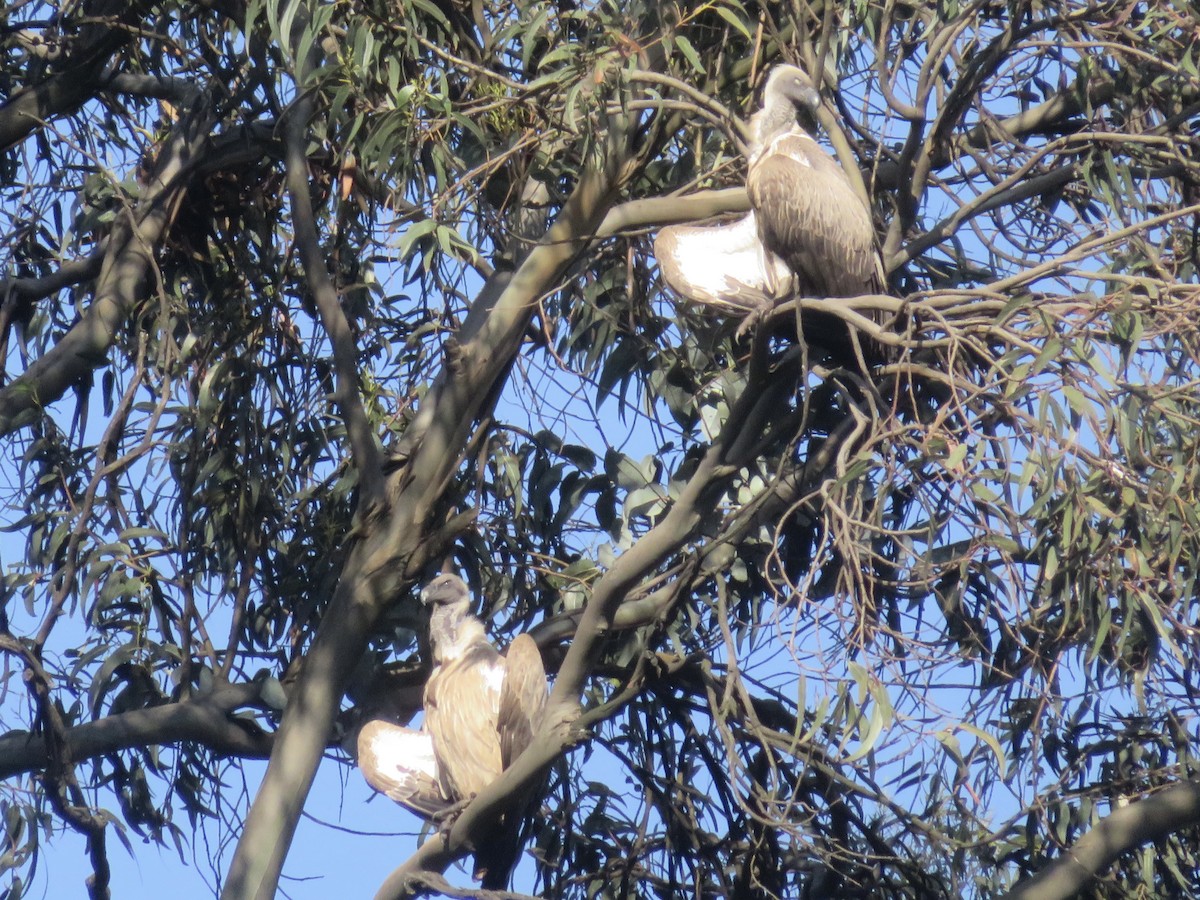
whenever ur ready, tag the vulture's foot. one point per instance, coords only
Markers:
(445, 818)
(752, 320)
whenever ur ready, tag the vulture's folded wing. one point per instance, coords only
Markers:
(462, 705)
(522, 697)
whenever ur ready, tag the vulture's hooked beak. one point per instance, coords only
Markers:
(807, 98)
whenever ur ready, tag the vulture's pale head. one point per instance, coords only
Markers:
(447, 592)
(792, 84)
(452, 628)
(789, 100)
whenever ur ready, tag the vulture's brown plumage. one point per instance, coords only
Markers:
(808, 233)
(807, 213)
(481, 710)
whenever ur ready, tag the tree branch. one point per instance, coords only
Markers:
(657, 211)
(364, 447)
(1142, 822)
(128, 261)
(178, 90)
(64, 92)
(203, 719)
(69, 273)
(1050, 114)
(796, 481)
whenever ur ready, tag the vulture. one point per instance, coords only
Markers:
(807, 213)
(808, 233)
(481, 708)
(481, 711)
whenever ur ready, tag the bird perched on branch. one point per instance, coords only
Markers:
(481, 712)
(808, 234)
(481, 708)
(808, 214)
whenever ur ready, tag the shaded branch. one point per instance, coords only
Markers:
(65, 91)
(364, 447)
(658, 211)
(765, 510)
(177, 90)
(1051, 114)
(203, 719)
(128, 263)
(72, 272)
(1143, 822)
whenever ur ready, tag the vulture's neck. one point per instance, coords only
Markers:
(452, 630)
(777, 116)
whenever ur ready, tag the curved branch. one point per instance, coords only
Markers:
(656, 211)
(178, 90)
(367, 457)
(64, 92)
(796, 481)
(69, 273)
(1139, 823)
(1051, 114)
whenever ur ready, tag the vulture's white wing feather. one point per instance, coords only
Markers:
(400, 763)
(721, 265)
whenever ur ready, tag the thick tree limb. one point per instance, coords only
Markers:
(64, 92)
(392, 554)
(658, 211)
(178, 90)
(1142, 822)
(204, 719)
(69, 273)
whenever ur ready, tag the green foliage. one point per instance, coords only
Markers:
(937, 623)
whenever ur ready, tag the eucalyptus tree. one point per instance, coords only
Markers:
(302, 301)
